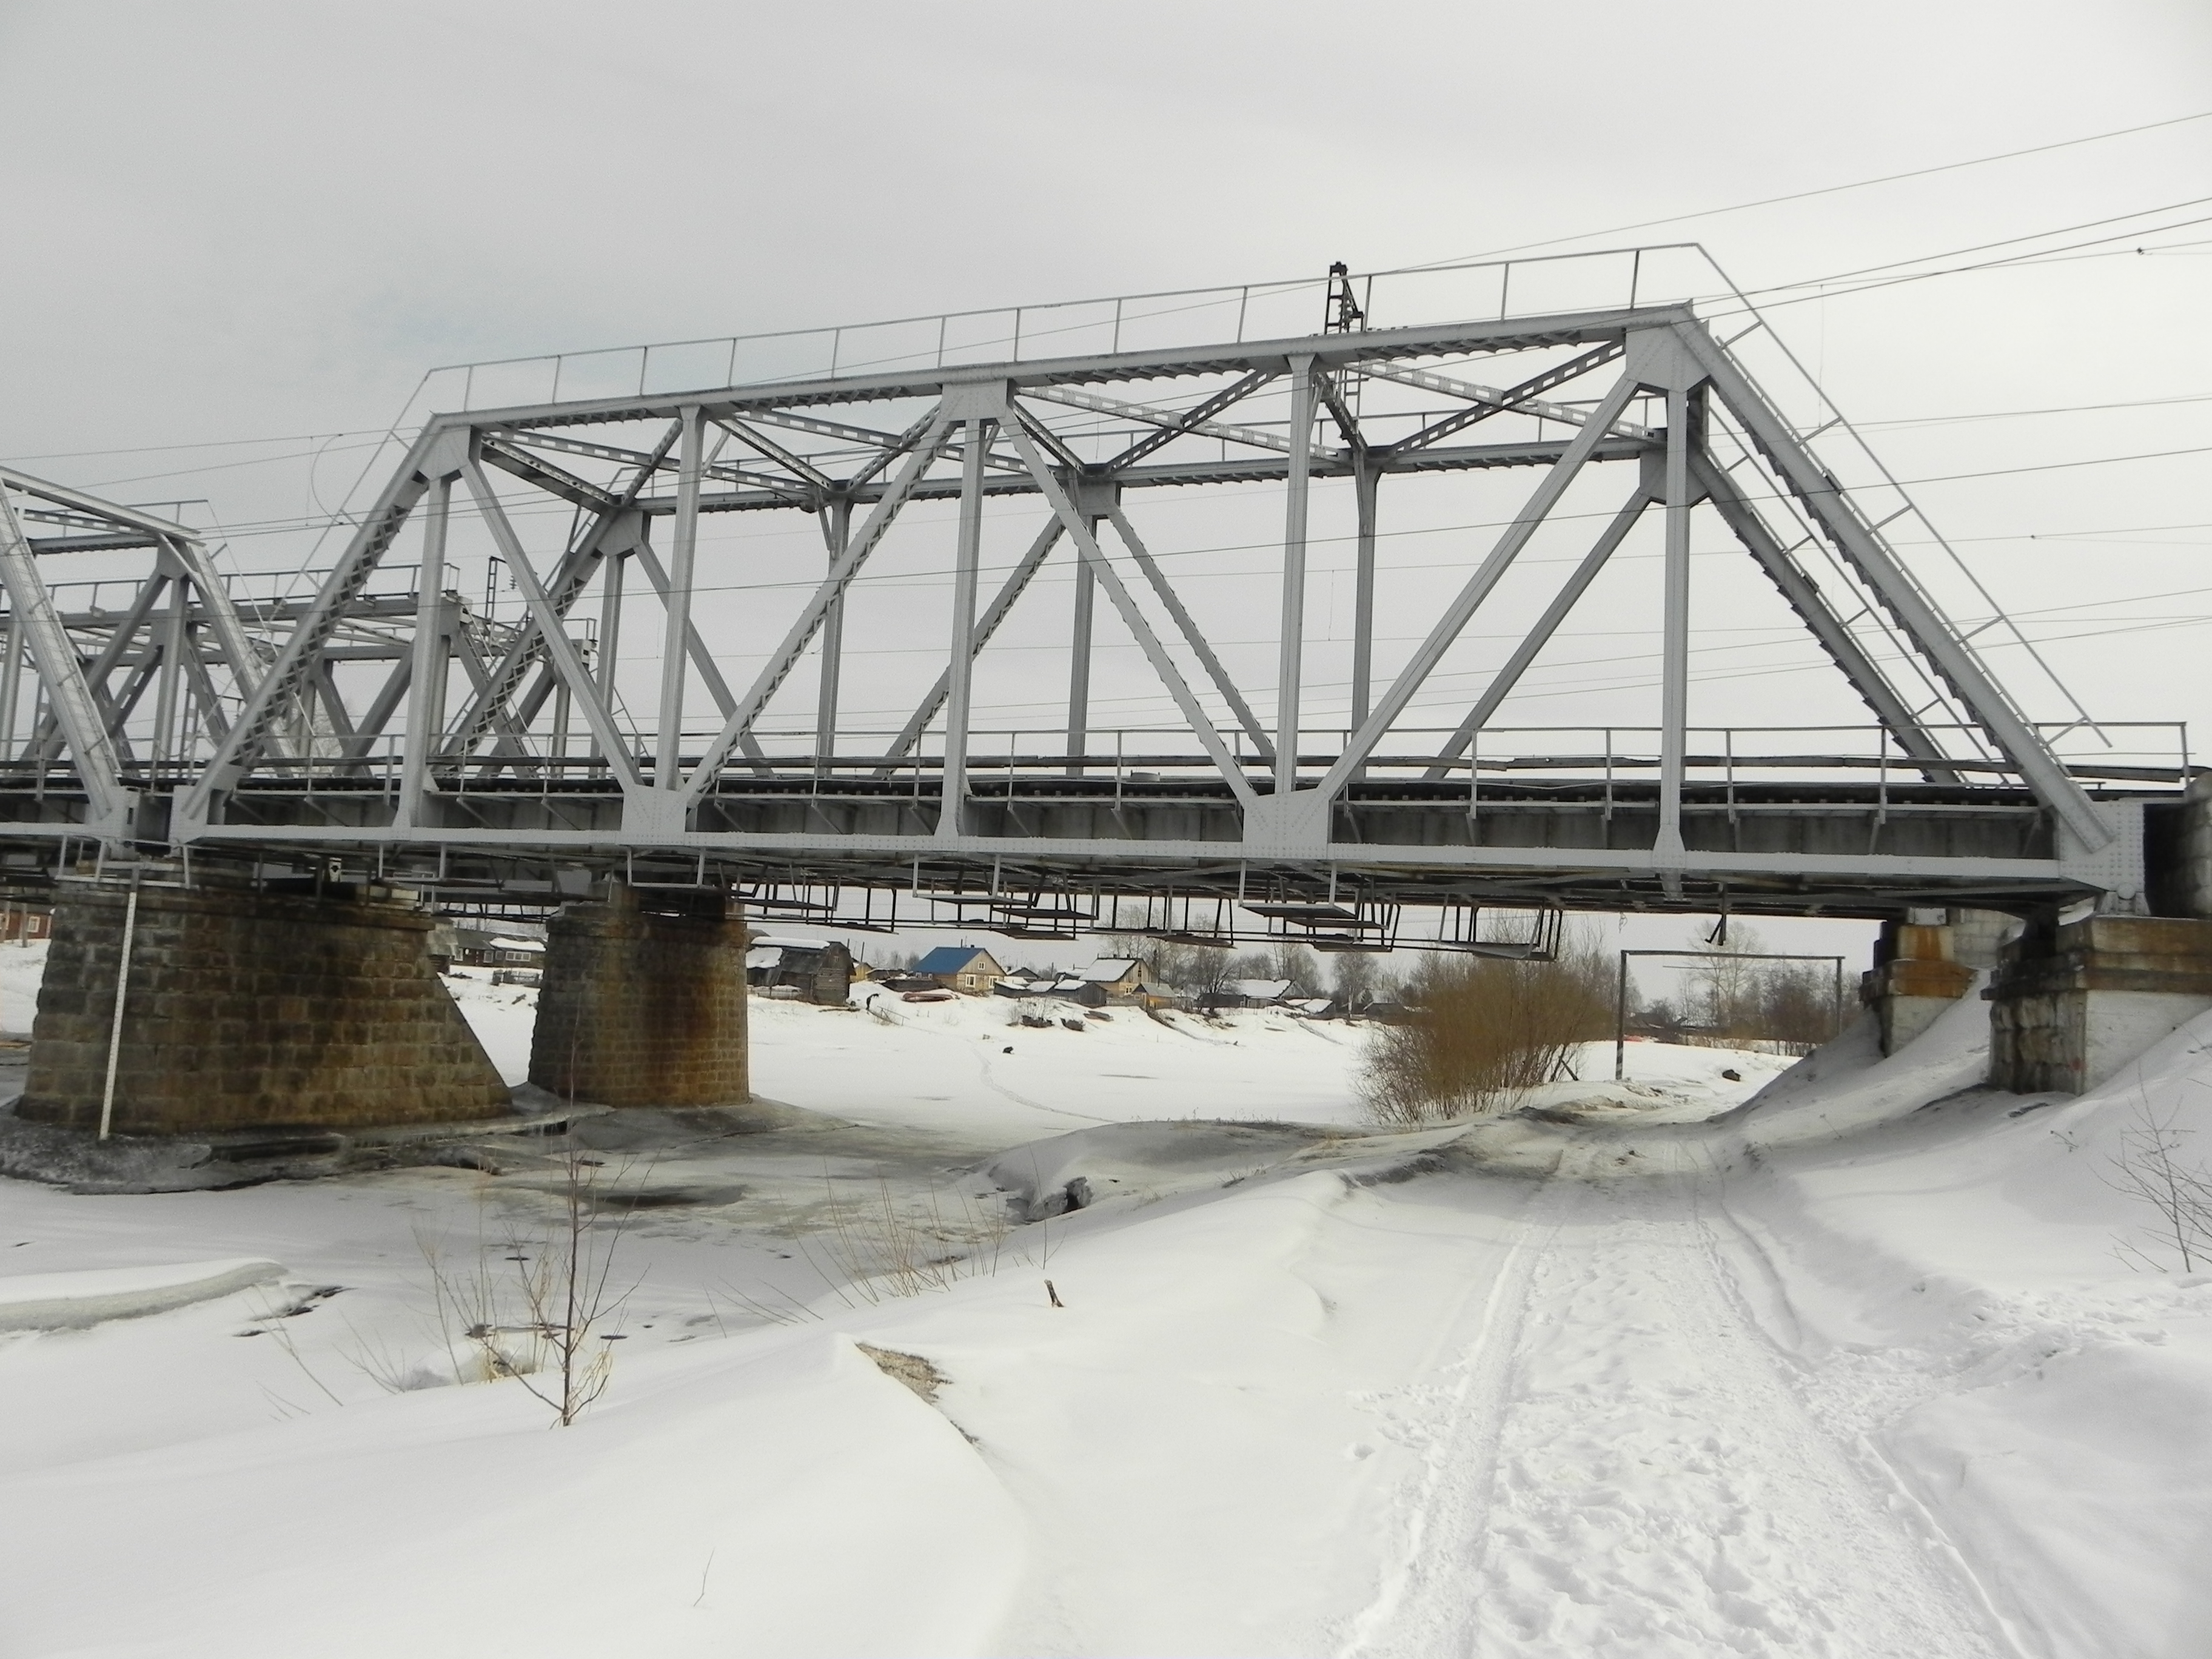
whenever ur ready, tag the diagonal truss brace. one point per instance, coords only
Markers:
(1525, 398)
(1570, 594)
(1187, 626)
(1479, 587)
(925, 710)
(802, 632)
(58, 666)
(279, 690)
(561, 651)
(1804, 597)
(1134, 620)
(1931, 633)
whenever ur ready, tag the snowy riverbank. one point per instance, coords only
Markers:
(1850, 1370)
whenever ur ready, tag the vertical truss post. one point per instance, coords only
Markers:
(1674, 626)
(962, 668)
(1291, 664)
(1078, 663)
(1366, 479)
(683, 560)
(175, 639)
(611, 611)
(837, 532)
(11, 684)
(426, 682)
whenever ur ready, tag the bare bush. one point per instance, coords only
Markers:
(1480, 1032)
(878, 1247)
(536, 1307)
(2149, 1168)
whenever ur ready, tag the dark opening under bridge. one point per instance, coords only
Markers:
(383, 726)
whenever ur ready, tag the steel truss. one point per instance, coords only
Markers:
(529, 746)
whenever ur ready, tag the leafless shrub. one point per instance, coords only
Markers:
(534, 1306)
(1479, 1032)
(2149, 1168)
(876, 1247)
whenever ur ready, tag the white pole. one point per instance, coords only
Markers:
(122, 990)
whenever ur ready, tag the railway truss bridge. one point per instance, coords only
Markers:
(670, 705)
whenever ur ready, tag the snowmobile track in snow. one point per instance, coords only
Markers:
(1616, 1462)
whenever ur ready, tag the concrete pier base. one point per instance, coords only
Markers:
(639, 1006)
(2072, 1006)
(1914, 979)
(245, 1011)
(1924, 965)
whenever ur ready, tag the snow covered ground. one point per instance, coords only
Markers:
(1850, 1370)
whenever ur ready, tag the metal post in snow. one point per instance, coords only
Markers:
(122, 992)
(1620, 1024)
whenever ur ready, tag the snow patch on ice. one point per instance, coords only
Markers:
(78, 1301)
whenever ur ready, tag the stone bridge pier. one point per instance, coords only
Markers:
(245, 1010)
(642, 1001)
(2072, 1004)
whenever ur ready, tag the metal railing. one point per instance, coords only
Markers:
(1533, 285)
(1134, 762)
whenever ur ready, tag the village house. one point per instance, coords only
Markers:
(1248, 993)
(816, 971)
(961, 967)
(478, 947)
(1121, 982)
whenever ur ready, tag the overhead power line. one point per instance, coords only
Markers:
(1823, 190)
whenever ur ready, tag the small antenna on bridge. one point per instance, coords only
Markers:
(1341, 312)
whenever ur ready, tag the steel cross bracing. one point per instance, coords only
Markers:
(557, 741)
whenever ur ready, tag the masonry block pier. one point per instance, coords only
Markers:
(643, 1002)
(1924, 964)
(245, 1010)
(2072, 1004)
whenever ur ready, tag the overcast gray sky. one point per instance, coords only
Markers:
(264, 222)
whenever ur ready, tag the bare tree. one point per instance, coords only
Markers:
(1294, 961)
(1738, 998)
(1360, 976)
(543, 1323)
(1210, 980)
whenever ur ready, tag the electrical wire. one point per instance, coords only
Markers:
(1824, 190)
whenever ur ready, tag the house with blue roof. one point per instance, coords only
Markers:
(962, 968)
